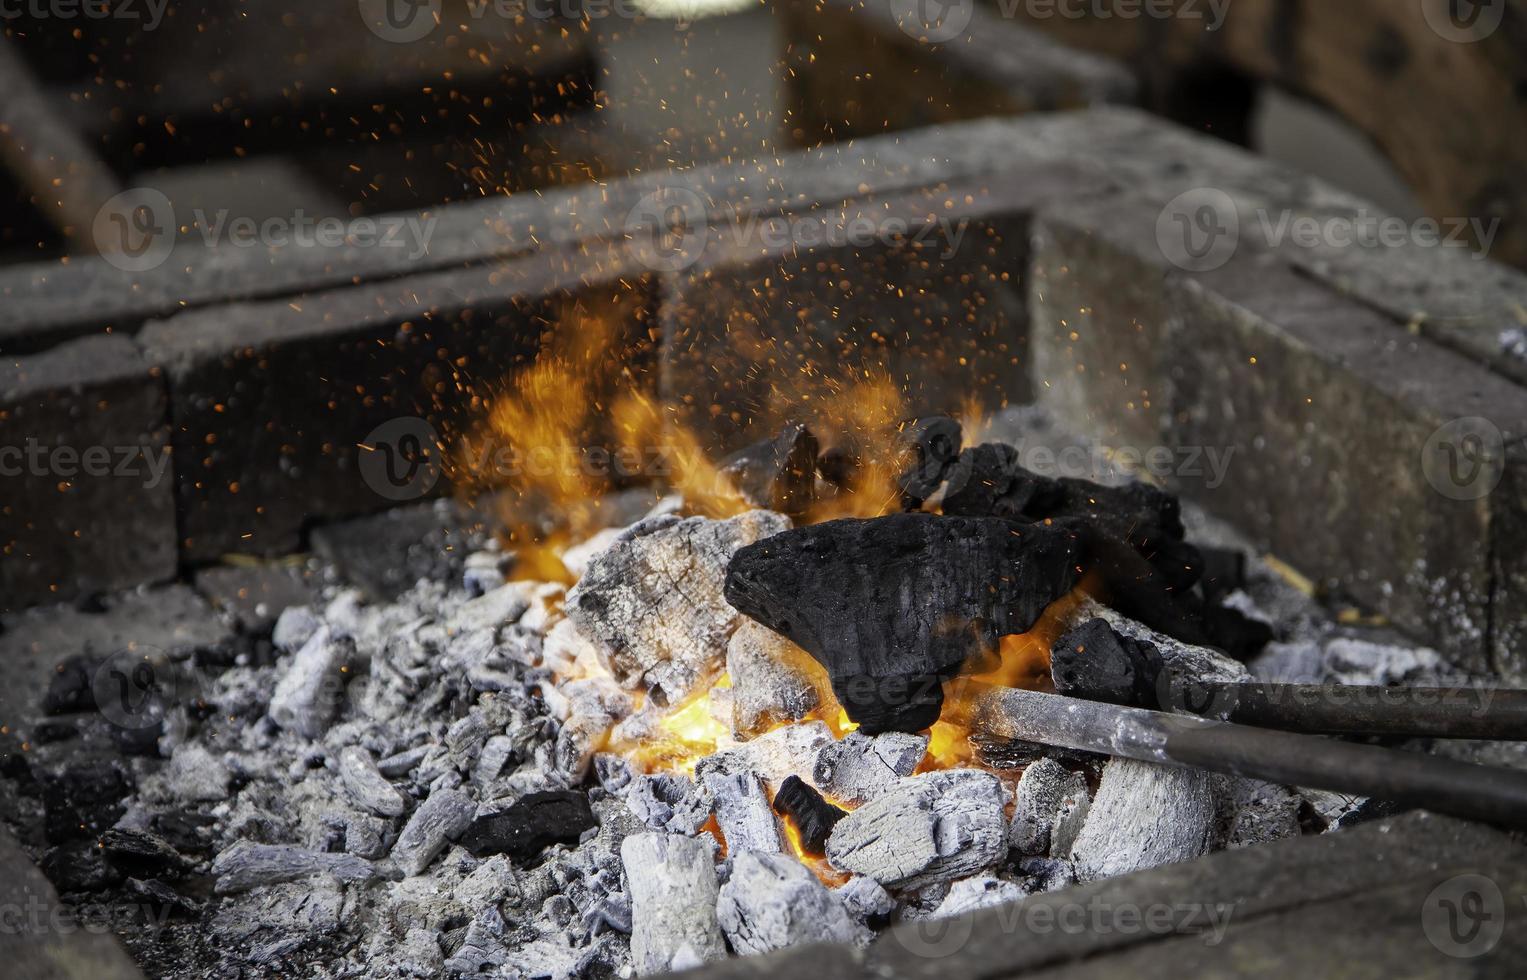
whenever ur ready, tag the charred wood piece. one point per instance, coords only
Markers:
(1094, 662)
(931, 445)
(777, 474)
(809, 811)
(530, 825)
(894, 605)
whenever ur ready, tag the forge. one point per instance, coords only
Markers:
(819, 495)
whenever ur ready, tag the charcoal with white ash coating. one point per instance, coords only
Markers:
(813, 817)
(892, 606)
(777, 474)
(529, 825)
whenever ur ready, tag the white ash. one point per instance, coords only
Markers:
(771, 901)
(309, 692)
(788, 751)
(743, 812)
(1253, 812)
(672, 880)
(933, 828)
(669, 802)
(653, 604)
(1049, 807)
(860, 767)
(866, 900)
(195, 774)
(1144, 815)
(980, 892)
(366, 785)
(770, 683)
(294, 627)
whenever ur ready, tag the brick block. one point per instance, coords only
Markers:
(1325, 409)
(85, 473)
(271, 402)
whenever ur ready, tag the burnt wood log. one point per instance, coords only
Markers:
(894, 605)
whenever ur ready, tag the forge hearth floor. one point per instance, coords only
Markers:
(460, 811)
(1387, 899)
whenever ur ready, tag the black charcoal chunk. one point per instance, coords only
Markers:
(1093, 662)
(811, 814)
(530, 825)
(777, 474)
(892, 605)
(932, 445)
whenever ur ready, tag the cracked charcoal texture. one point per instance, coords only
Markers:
(653, 606)
(892, 605)
(772, 901)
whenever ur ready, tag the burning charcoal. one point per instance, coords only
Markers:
(772, 901)
(366, 785)
(530, 825)
(933, 444)
(653, 605)
(439, 820)
(665, 801)
(244, 866)
(859, 767)
(294, 628)
(866, 900)
(595, 704)
(743, 813)
(774, 755)
(894, 605)
(672, 883)
(567, 652)
(308, 694)
(1144, 815)
(1187, 667)
(812, 815)
(933, 828)
(777, 474)
(974, 894)
(1047, 795)
(1094, 662)
(770, 683)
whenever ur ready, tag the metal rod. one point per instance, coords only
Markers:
(1458, 788)
(1346, 709)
